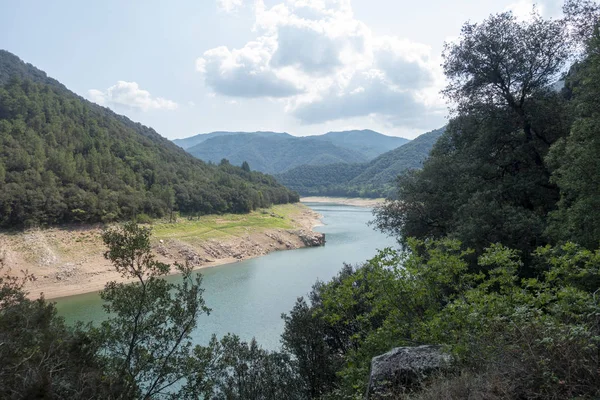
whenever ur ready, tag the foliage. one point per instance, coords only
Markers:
(147, 339)
(240, 370)
(575, 158)
(305, 337)
(373, 179)
(502, 62)
(486, 180)
(64, 159)
(515, 170)
(540, 333)
(41, 356)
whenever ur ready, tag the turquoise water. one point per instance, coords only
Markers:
(248, 297)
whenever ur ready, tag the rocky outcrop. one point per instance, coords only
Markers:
(400, 369)
(312, 239)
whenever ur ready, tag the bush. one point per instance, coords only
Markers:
(143, 219)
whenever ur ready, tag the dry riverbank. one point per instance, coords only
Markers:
(356, 201)
(69, 260)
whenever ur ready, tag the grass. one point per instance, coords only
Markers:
(227, 225)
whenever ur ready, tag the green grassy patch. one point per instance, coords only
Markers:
(227, 225)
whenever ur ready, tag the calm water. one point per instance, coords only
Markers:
(247, 298)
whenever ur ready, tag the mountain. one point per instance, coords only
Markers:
(387, 166)
(64, 159)
(372, 179)
(273, 152)
(202, 137)
(369, 143)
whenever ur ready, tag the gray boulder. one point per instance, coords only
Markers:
(401, 368)
(312, 239)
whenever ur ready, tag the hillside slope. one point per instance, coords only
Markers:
(273, 153)
(369, 143)
(372, 179)
(387, 166)
(65, 159)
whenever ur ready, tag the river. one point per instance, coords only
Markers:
(248, 297)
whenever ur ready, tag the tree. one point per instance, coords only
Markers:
(304, 338)
(486, 180)
(147, 339)
(42, 357)
(575, 158)
(246, 166)
(240, 370)
(583, 16)
(503, 62)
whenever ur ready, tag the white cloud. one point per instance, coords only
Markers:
(326, 65)
(229, 5)
(244, 72)
(305, 48)
(369, 93)
(129, 95)
(405, 63)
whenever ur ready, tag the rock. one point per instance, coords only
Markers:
(162, 250)
(66, 272)
(191, 257)
(396, 371)
(312, 239)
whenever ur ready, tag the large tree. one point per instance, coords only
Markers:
(147, 339)
(486, 180)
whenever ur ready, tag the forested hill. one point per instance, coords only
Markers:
(65, 159)
(372, 179)
(274, 152)
(367, 142)
(202, 137)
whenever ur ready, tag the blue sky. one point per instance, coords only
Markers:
(301, 66)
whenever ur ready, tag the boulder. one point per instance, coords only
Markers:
(396, 371)
(312, 239)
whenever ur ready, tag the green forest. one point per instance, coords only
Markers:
(373, 179)
(498, 261)
(64, 159)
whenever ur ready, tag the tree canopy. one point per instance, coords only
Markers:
(64, 159)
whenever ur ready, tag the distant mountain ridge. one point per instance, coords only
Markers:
(371, 179)
(367, 142)
(274, 152)
(192, 141)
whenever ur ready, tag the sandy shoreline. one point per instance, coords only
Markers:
(69, 261)
(355, 201)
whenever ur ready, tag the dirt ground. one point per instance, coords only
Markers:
(69, 260)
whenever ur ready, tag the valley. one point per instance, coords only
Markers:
(269, 260)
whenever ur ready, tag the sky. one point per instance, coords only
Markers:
(304, 67)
